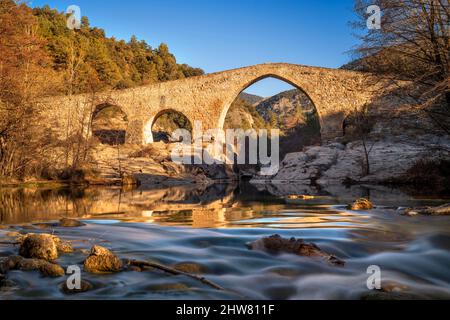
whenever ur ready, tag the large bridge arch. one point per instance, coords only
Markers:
(237, 91)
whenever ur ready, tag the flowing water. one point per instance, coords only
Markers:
(210, 228)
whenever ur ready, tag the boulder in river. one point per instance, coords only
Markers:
(47, 269)
(53, 270)
(429, 211)
(277, 244)
(70, 223)
(102, 260)
(39, 246)
(360, 204)
(63, 246)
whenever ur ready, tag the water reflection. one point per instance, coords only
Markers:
(210, 226)
(213, 206)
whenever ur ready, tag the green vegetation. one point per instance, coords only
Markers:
(243, 115)
(40, 57)
(86, 57)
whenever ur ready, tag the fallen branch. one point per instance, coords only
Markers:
(173, 271)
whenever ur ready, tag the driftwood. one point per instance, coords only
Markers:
(173, 271)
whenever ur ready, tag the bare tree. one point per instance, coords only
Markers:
(358, 126)
(413, 45)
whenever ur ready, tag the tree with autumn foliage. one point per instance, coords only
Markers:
(25, 76)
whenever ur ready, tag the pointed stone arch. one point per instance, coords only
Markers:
(237, 91)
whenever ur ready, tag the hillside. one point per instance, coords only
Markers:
(86, 59)
(291, 111)
(250, 98)
(287, 109)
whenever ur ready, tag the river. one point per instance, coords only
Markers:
(210, 228)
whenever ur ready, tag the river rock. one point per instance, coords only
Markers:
(360, 204)
(53, 270)
(6, 283)
(84, 286)
(70, 223)
(190, 267)
(381, 295)
(168, 287)
(277, 244)
(39, 246)
(14, 234)
(9, 263)
(63, 246)
(429, 211)
(102, 260)
(47, 269)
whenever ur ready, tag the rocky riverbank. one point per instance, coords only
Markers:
(336, 163)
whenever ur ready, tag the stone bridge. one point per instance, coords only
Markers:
(207, 98)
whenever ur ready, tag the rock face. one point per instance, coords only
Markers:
(335, 163)
(39, 246)
(102, 260)
(277, 244)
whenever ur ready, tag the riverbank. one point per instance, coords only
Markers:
(398, 161)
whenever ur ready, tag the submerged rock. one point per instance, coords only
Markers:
(9, 263)
(277, 244)
(70, 223)
(84, 286)
(360, 204)
(47, 269)
(102, 260)
(190, 267)
(168, 287)
(14, 234)
(42, 226)
(394, 295)
(39, 246)
(6, 283)
(429, 211)
(300, 197)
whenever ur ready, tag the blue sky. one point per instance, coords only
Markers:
(217, 35)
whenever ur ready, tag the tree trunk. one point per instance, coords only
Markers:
(366, 155)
